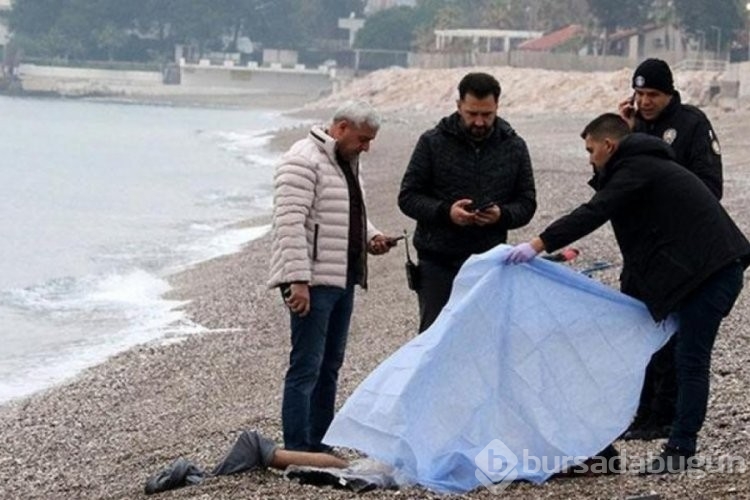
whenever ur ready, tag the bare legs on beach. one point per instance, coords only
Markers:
(284, 458)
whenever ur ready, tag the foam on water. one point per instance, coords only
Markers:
(96, 287)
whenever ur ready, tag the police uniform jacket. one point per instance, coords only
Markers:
(692, 138)
(672, 232)
(448, 165)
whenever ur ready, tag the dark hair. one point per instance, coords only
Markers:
(480, 85)
(609, 125)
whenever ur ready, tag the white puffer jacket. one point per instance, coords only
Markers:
(311, 215)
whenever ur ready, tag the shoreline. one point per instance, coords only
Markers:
(176, 97)
(104, 432)
(131, 288)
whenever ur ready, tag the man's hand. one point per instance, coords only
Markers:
(487, 216)
(299, 298)
(460, 215)
(379, 244)
(524, 252)
(627, 110)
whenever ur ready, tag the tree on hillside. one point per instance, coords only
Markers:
(550, 15)
(35, 17)
(716, 20)
(389, 29)
(613, 14)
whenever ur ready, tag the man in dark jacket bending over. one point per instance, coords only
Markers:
(682, 254)
(469, 180)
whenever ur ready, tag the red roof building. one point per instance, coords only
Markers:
(554, 40)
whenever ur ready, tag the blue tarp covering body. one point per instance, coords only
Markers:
(531, 361)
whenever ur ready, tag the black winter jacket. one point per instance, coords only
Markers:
(446, 166)
(672, 231)
(692, 138)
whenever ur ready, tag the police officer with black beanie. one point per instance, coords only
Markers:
(656, 108)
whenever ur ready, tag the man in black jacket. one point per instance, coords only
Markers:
(468, 182)
(657, 109)
(682, 254)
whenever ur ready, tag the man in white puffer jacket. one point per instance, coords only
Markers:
(321, 237)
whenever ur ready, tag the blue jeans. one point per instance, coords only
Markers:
(318, 345)
(700, 316)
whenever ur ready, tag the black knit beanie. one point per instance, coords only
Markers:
(654, 74)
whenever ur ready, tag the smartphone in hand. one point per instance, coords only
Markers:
(472, 207)
(393, 241)
(631, 107)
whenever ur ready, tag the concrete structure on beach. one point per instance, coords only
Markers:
(280, 74)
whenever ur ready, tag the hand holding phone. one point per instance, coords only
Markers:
(473, 207)
(628, 108)
(393, 240)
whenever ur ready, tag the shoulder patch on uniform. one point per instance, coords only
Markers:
(669, 135)
(716, 147)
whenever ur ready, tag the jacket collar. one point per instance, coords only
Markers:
(325, 142)
(327, 145)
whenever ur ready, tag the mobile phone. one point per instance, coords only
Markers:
(479, 207)
(630, 111)
(394, 240)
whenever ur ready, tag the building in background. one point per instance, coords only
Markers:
(666, 42)
(568, 39)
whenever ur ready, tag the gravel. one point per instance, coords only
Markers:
(103, 433)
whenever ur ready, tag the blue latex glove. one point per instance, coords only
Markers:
(521, 253)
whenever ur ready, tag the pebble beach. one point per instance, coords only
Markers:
(103, 433)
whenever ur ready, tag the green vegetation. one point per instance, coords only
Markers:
(147, 30)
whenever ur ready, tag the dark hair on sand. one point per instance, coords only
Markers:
(480, 85)
(609, 125)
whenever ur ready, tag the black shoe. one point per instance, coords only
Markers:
(671, 460)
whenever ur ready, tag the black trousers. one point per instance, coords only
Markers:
(435, 283)
(659, 393)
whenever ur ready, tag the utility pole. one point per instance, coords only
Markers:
(718, 41)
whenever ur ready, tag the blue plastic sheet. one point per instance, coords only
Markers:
(527, 367)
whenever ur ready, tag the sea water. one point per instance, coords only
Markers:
(100, 203)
